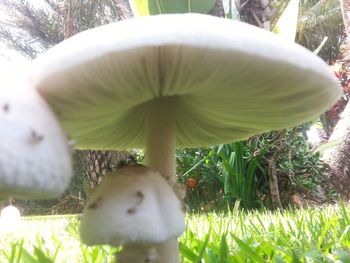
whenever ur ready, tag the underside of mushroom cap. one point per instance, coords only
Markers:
(35, 159)
(222, 80)
(134, 206)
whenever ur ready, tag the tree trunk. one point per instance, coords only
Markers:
(255, 12)
(123, 9)
(101, 163)
(338, 157)
(345, 10)
(67, 19)
(273, 181)
(218, 9)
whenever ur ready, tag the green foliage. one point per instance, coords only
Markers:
(304, 166)
(239, 171)
(318, 19)
(225, 174)
(156, 7)
(286, 25)
(298, 168)
(201, 165)
(306, 235)
(239, 174)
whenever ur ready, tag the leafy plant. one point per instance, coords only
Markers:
(239, 174)
(317, 20)
(200, 165)
(223, 174)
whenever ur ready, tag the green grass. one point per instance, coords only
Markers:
(309, 235)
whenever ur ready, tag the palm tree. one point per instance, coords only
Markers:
(319, 19)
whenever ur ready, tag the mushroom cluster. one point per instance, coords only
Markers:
(167, 81)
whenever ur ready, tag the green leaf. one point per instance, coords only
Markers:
(156, 7)
(248, 251)
(187, 252)
(27, 257)
(278, 259)
(286, 25)
(203, 246)
(20, 250)
(327, 145)
(318, 49)
(41, 256)
(322, 237)
(95, 253)
(224, 250)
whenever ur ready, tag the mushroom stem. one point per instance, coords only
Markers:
(137, 254)
(160, 156)
(160, 141)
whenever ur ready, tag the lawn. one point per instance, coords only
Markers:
(307, 235)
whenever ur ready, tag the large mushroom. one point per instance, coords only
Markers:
(183, 80)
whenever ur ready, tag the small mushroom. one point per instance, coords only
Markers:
(34, 156)
(10, 213)
(136, 208)
(180, 80)
(10, 217)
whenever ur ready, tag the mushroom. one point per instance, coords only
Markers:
(10, 214)
(10, 218)
(35, 158)
(180, 80)
(136, 208)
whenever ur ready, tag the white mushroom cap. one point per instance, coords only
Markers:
(134, 206)
(10, 213)
(34, 153)
(222, 80)
(10, 218)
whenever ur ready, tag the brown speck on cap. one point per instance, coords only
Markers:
(36, 137)
(141, 196)
(95, 204)
(6, 107)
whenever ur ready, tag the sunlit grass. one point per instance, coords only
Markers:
(308, 235)
(48, 239)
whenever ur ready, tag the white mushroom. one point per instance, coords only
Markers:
(34, 155)
(136, 208)
(182, 80)
(10, 213)
(10, 218)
